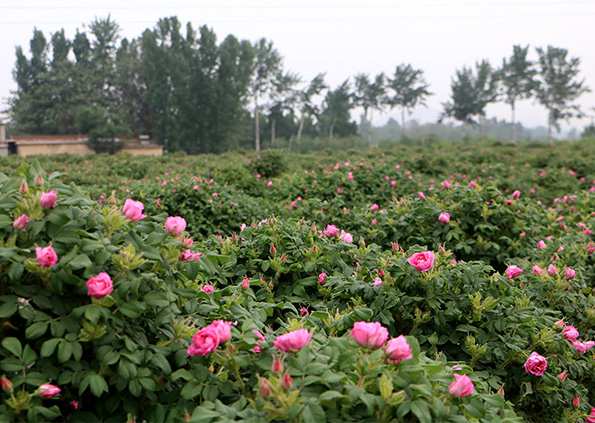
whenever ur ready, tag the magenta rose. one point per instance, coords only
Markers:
(331, 231)
(204, 342)
(422, 261)
(369, 334)
(461, 387)
(513, 271)
(257, 348)
(536, 364)
(46, 256)
(537, 271)
(398, 349)
(570, 273)
(99, 286)
(48, 199)
(133, 210)
(570, 333)
(208, 289)
(444, 218)
(223, 329)
(21, 221)
(175, 225)
(322, 279)
(292, 341)
(48, 391)
(346, 236)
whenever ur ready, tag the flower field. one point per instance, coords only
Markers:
(421, 284)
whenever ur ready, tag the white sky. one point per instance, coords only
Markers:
(345, 37)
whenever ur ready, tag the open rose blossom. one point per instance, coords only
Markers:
(48, 391)
(175, 225)
(583, 347)
(369, 334)
(513, 271)
(422, 261)
(99, 286)
(204, 342)
(570, 333)
(48, 199)
(536, 364)
(461, 387)
(398, 349)
(537, 271)
(346, 236)
(133, 210)
(331, 231)
(223, 329)
(292, 341)
(591, 419)
(46, 256)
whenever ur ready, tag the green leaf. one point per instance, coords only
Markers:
(64, 351)
(29, 356)
(191, 390)
(81, 261)
(132, 309)
(330, 395)
(7, 310)
(36, 330)
(313, 413)
(98, 384)
(13, 345)
(15, 271)
(49, 347)
(421, 410)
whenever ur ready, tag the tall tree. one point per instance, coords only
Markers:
(335, 116)
(305, 101)
(517, 77)
(558, 85)
(471, 93)
(283, 98)
(267, 70)
(408, 90)
(370, 96)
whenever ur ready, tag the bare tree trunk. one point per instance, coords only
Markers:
(402, 122)
(290, 141)
(301, 127)
(256, 125)
(330, 130)
(481, 127)
(370, 126)
(273, 122)
(549, 128)
(513, 129)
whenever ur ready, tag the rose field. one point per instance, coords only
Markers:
(445, 283)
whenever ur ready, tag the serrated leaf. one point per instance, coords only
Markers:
(13, 345)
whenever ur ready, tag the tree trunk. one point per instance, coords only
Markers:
(513, 129)
(330, 130)
(256, 125)
(370, 127)
(301, 127)
(549, 128)
(273, 122)
(402, 122)
(481, 127)
(290, 142)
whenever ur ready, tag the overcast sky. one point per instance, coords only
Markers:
(345, 37)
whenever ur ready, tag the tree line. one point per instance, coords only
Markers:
(193, 93)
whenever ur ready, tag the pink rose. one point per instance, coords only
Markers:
(461, 387)
(189, 255)
(369, 334)
(592, 418)
(345, 236)
(374, 207)
(133, 210)
(322, 279)
(570, 273)
(304, 312)
(21, 221)
(398, 349)
(421, 195)
(377, 282)
(583, 347)
(444, 218)
(208, 289)
(537, 271)
(552, 270)
(292, 341)
(48, 391)
(46, 256)
(570, 333)
(175, 225)
(99, 286)
(257, 348)
(541, 245)
(513, 271)
(6, 384)
(204, 342)
(536, 364)
(516, 194)
(48, 199)
(331, 230)
(422, 261)
(223, 329)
